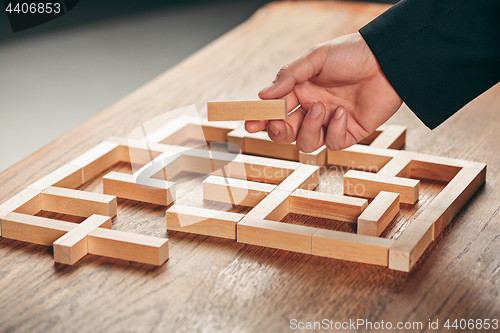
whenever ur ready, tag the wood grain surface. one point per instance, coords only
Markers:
(215, 284)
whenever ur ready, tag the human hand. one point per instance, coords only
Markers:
(341, 93)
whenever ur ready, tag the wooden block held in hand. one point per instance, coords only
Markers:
(247, 110)
(379, 213)
(73, 245)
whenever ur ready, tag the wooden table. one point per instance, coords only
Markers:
(211, 284)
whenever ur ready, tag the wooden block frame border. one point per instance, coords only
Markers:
(464, 178)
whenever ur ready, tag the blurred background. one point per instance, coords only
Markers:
(55, 76)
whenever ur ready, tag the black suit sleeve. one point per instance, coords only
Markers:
(438, 54)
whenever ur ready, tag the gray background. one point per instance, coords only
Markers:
(56, 76)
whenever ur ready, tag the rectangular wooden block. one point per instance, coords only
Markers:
(236, 140)
(72, 246)
(399, 165)
(391, 137)
(235, 191)
(150, 190)
(27, 201)
(34, 229)
(326, 205)
(304, 177)
(78, 203)
(431, 168)
(317, 157)
(128, 246)
(452, 198)
(247, 110)
(368, 185)
(284, 236)
(346, 246)
(405, 252)
(379, 213)
(97, 159)
(260, 144)
(274, 207)
(202, 221)
(361, 157)
(68, 176)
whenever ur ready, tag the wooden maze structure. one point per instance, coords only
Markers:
(280, 181)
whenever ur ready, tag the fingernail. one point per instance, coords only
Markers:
(269, 87)
(339, 112)
(315, 110)
(273, 130)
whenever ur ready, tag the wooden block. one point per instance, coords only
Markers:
(405, 252)
(284, 236)
(97, 159)
(236, 138)
(128, 246)
(260, 144)
(346, 246)
(72, 246)
(325, 205)
(304, 177)
(27, 201)
(137, 152)
(274, 207)
(247, 110)
(203, 221)
(155, 191)
(78, 203)
(361, 157)
(235, 191)
(399, 165)
(368, 185)
(237, 165)
(68, 176)
(452, 198)
(175, 132)
(317, 157)
(433, 168)
(34, 229)
(379, 213)
(164, 167)
(449, 161)
(391, 137)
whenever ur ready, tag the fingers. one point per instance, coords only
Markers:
(285, 131)
(254, 126)
(298, 71)
(337, 137)
(311, 134)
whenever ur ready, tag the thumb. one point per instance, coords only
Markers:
(298, 71)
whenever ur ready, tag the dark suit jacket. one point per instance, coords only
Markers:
(438, 54)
